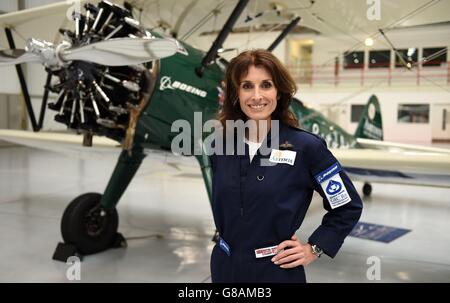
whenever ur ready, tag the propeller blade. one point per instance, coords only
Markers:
(122, 51)
(17, 56)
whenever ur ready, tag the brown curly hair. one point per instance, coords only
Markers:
(238, 68)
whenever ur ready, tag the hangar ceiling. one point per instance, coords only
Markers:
(191, 18)
(329, 17)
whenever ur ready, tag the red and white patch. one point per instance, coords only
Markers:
(266, 251)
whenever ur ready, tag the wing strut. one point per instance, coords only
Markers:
(227, 28)
(283, 34)
(23, 85)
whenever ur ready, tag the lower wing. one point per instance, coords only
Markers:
(368, 165)
(399, 167)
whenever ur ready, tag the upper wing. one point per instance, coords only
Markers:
(40, 22)
(18, 18)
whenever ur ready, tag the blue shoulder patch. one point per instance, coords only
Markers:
(328, 173)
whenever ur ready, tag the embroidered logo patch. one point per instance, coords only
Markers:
(282, 156)
(333, 186)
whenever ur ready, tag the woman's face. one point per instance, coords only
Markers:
(257, 94)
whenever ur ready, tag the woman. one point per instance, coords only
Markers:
(257, 207)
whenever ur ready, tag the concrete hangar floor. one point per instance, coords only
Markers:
(166, 217)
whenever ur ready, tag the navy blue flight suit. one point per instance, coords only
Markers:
(256, 206)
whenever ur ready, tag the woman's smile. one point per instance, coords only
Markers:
(257, 107)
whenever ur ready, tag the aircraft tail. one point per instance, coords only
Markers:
(370, 125)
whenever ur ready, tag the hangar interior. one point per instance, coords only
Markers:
(338, 58)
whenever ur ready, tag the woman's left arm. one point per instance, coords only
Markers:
(340, 199)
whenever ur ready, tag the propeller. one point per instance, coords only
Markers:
(98, 71)
(16, 56)
(112, 52)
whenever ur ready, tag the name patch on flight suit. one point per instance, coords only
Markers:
(266, 251)
(282, 156)
(333, 187)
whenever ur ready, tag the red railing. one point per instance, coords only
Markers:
(388, 75)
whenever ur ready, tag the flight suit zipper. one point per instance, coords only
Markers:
(243, 168)
(242, 196)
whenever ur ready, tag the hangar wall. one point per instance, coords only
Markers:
(326, 48)
(424, 89)
(390, 93)
(389, 100)
(9, 6)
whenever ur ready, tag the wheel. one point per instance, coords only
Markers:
(367, 189)
(87, 226)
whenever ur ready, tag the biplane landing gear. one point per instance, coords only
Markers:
(88, 228)
(367, 189)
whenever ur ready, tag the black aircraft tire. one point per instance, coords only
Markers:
(367, 189)
(79, 228)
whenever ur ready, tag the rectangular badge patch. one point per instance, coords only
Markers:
(333, 186)
(282, 156)
(265, 252)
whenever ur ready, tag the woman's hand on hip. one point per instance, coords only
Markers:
(292, 253)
